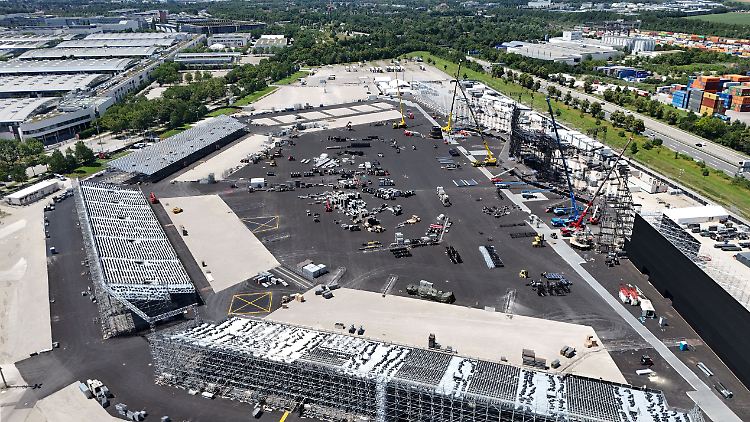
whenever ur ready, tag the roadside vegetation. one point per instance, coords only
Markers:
(734, 193)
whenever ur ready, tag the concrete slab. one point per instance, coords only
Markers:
(23, 283)
(70, 405)
(288, 118)
(383, 106)
(315, 95)
(343, 111)
(492, 335)
(265, 121)
(365, 108)
(314, 115)
(220, 240)
(226, 160)
(363, 119)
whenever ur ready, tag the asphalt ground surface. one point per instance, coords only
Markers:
(124, 363)
(627, 355)
(121, 363)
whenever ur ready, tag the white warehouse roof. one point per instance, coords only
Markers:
(65, 66)
(59, 53)
(49, 83)
(135, 36)
(16, 110)
(36, 187)
(702, 214)
(138, 42)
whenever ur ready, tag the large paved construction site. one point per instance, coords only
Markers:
(307, 258)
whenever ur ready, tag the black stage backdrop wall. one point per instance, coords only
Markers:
(716, 316)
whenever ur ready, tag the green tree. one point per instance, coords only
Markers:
(71, 162)
(57, 162)
(634, 148)
(188, 77)
(595, 108)
(84, 154)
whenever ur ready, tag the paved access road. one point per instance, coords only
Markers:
(713, 154)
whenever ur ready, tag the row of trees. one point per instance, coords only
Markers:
(80, 155)
(181, 104)
(17, 156)
(627, 122)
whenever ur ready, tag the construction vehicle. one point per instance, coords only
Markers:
(414, 219)
(410, 114)
(153, 199)
(272, 163)
(176, 210)
(559, 222)
(523, 274)
(489, 160)
(444, 198)
(349, 126)
(402, 123)
(448, 128)
(436, 133)
(538, 241)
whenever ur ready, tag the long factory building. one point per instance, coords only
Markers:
(342, 377)
(84, 76)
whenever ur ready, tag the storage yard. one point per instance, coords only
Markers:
(331, 252)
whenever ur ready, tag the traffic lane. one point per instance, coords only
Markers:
(693, 151)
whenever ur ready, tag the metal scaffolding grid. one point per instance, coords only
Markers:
(336, 376)
(617, 212)
(120, 298)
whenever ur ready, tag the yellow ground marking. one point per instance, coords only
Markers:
(283, 417)
(263, 224)
(251, 303)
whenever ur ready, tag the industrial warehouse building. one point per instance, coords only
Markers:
(65, 66)
(164, 158)
(217, 59)
(344, 377)
(33, 193)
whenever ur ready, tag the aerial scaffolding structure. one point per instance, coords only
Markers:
(335, 376)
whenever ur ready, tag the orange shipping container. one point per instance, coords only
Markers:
(708, 111)
(741, 100)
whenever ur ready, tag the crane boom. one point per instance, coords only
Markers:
(574, 208)
(490, 159)
(448, 127)
(579, 222)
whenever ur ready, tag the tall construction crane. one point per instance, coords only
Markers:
(449, 126)
(573, 206)
(400, 124)
(578, 224)
(489, 160)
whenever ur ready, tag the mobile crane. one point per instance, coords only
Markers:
(563, 221)
(449, 126)
(489, 160)
(400, 124)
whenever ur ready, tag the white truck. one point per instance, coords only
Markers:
(444, 198)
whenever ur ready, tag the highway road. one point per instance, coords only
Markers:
(714, 155)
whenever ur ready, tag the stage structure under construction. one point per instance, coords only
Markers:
(137, 277)
(339, 376)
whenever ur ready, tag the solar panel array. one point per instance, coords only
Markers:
(136, 257)
(159, 156)
(531, 392)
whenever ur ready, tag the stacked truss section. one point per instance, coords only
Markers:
(343, 377)
(136, 273)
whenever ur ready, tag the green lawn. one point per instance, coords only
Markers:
(223, 110)
(251, 98)
(255, 96)
(175, 131)
(732, 18)
(291, 78)
(716, 186)
(99, 165)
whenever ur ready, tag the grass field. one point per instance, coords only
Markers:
(175, 131)
(716, 186)
(223, 110)
(255, 96)
(732, 18)
(86, 171)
